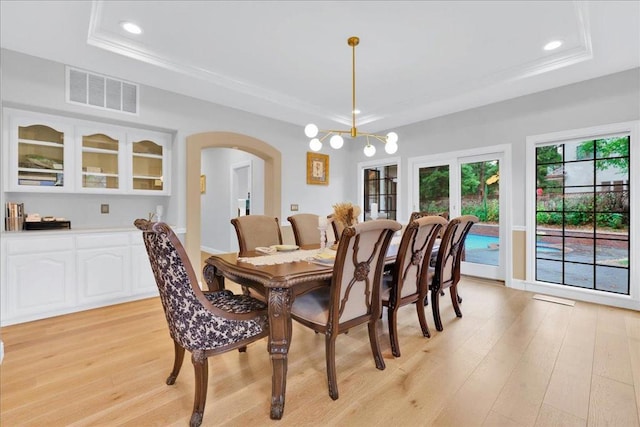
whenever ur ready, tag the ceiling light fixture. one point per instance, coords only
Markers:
(553, 45)
(130, 27)
(336, 141)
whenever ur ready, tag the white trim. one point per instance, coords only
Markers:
(631, 301)
(570, 292)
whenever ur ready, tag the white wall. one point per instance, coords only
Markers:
(36, 84)
(217, 232)
(610, 99)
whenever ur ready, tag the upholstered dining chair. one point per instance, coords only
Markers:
(305, 228)
(337, 227)
(407, 283)
(255, 231)
(353, 298)
(203, 323)
(446, 273)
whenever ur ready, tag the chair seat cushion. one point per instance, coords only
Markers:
(313, 306)
(204, 331)
(233, 303)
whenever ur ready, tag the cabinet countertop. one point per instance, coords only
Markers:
(73, 231)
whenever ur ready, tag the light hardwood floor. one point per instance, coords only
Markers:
(510, 361)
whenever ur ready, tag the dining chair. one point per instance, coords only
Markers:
(203, 323)
(353, 298)
(407, 283)
(305, 228)
(255, 231)
(446, 273)
(337, 227)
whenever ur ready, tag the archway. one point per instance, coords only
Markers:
(272, 178)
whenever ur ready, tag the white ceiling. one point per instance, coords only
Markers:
(289, 60)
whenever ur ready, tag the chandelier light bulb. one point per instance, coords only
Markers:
(392, 137)
(336, 141)
(369, 150)
(390, 148)
(311, 130)
(315, 144)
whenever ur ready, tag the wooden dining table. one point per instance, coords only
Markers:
(279, 284)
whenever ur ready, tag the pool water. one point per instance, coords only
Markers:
(477, 241)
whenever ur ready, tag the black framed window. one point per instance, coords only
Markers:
(583, 214)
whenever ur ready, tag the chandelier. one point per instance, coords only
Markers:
(336, 141)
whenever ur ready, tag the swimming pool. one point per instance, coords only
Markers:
(478, 241)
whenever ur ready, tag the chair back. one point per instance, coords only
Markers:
(357, 272)
(305, 228)
(337, 226)
(182, 299)
(256, 230)
(414, 253)
(447, 268)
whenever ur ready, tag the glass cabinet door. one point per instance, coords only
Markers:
(100, 162)
(40, 156)
(147, 165)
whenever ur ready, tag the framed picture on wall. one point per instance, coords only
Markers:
(317, 169)
(203, 184)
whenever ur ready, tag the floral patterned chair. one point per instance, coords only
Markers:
(203, 323)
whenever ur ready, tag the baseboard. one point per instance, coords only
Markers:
(585, 295)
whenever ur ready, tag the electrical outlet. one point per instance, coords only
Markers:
(294, 208)
(104, 208)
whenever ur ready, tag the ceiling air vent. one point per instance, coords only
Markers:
(95, 90)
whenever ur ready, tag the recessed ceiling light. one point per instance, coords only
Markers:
(130, 27)
(553, 45)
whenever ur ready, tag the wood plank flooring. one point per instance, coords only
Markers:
(510, 361)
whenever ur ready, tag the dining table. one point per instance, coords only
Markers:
(278, 278)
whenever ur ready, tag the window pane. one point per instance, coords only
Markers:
(434, 189)
(612, 279)
(549, 271)
(580, 275)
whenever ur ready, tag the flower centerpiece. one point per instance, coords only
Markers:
(346, 213)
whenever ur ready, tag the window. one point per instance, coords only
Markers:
(583, 212)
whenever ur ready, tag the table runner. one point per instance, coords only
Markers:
(282, 257)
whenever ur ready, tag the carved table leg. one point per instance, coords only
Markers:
(280, 300)
(215, 280)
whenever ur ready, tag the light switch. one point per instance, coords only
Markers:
(294, 208)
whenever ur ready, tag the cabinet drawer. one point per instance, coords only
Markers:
(37, 245)
(97, 240)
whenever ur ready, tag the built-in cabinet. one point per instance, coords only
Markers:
(50, 273)
(50, 154)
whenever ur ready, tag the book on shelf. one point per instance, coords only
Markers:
(37, 182)
(37, 177)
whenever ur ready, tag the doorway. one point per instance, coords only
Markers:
(272, 175)
(468, 183)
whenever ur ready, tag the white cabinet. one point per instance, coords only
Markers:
(50, 273)
(103, 266)
(39, 153)
(149, 162)
(143, 280)
(46, 153)
(40, 277)
(100, 159)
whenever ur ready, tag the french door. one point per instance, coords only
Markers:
(466, 183)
